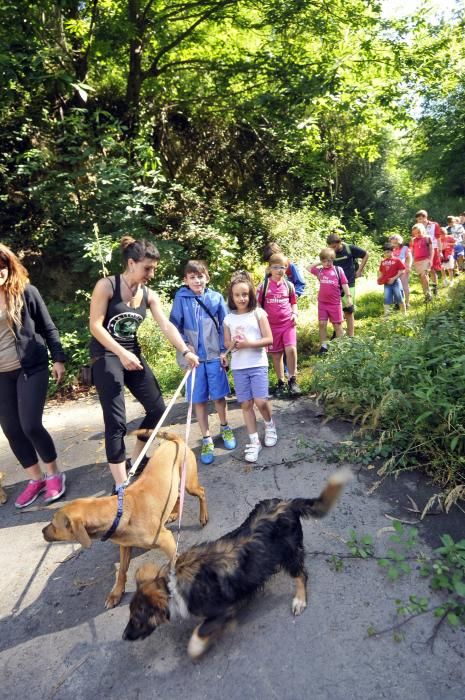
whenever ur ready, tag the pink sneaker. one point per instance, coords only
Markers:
(30, 493)
(54, 487)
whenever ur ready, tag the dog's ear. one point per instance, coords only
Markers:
(145, 573)
(79, 532)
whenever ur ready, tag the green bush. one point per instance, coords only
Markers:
(72, 321)
(403, 384)
(159, 353)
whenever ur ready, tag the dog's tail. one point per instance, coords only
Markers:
(143, 434)
(318, 507)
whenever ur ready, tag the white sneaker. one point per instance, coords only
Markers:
(252, 450)
(271, 436)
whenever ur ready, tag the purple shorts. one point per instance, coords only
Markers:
(282, 337)
(331, 312)
(251, 383)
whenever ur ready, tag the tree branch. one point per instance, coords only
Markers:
(187, 63)
(153, 70)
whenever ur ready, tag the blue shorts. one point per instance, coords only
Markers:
(211, 382)
(458, 250)
(393, 293)
(251, 383)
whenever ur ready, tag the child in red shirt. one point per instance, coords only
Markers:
(422, 251)
(447, 257)
(390, 270)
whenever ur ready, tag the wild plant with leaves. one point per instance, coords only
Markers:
(402, 382)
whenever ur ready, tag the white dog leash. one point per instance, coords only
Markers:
(162, 420)
(182, 485)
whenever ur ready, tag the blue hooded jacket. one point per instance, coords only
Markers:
(196, 326)
(294, 275)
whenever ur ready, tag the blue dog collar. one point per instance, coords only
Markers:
(119, 513)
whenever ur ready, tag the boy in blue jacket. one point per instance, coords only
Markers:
(198, 314)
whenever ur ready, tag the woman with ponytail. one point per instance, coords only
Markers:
(117, 309)
(26, 330)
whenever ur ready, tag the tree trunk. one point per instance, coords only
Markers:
(134, 82)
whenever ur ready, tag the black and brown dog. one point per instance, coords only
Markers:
(211, 580)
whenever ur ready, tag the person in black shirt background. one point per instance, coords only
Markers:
(347, 256)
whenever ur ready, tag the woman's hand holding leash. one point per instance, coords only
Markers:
(191, 359)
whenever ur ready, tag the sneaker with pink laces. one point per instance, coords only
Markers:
(30, 493)
(54, 487)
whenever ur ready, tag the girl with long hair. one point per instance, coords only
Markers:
(247, 333)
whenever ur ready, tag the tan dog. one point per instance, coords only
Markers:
(149, 503)
(3, 496)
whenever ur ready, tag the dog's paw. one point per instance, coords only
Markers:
(197, 646)
(298, 605)
(113, 599)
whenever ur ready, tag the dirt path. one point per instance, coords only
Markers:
(57, 641)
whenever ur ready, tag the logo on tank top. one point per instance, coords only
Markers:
(124, 325)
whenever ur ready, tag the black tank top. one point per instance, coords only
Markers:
(121, 321)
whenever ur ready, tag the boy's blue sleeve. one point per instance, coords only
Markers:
(177, 315)
(297, 279)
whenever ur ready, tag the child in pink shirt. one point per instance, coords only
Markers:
(333, 283)
(277, 296)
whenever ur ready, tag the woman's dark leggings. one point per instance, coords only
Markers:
(110, 378)
(22, 401)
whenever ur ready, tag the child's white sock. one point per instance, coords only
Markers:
(254, 438)
(270, 424)
(324, 345)
(207, 438)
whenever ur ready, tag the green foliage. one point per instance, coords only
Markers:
(336, 563)
(394, 560)
(72, 320)
(159, 353)
(401, 381)
(445, 572)
(202, 124)
(360, 546)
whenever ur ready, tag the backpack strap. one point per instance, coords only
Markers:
(264, 290)
(207, 310)
(339, 280)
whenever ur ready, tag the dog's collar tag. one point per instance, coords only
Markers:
(119, 513)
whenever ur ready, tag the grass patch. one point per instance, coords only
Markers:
(401, 381)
